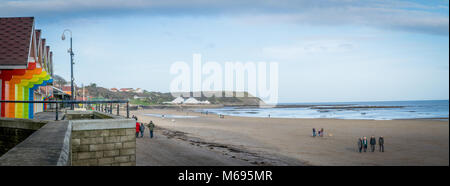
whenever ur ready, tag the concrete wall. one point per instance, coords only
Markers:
(48, 146)
(10, 137)
(22, 123)
(83, 115)
(103, 142)
(14, 131)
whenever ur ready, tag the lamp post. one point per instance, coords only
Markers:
(63, 37)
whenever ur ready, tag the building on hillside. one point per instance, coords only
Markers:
(114, 90)
(126, 90)
(26, 67)
(139, 90)
(67, 88)
(81, 92)
(81, 98)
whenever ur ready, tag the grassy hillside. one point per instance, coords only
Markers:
(156, 98)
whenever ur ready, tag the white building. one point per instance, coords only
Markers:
(206, 102)
(139, 90)
(178, 100)
(191, 101)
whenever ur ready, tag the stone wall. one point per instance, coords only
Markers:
(103, 142)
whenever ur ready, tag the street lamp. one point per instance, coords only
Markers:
(63, 37)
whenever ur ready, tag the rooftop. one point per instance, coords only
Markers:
(15, 37)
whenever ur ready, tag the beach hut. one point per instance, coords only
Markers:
(26, 65)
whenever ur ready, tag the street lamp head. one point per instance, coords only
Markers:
(63, 37)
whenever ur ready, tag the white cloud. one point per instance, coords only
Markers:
(308, 49)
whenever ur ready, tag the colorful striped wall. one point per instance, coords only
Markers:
(30, 110)
(19, 85)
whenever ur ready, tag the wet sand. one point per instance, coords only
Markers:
(162, 150)
(276, 141)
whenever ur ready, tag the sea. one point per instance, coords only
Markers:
(377, 110)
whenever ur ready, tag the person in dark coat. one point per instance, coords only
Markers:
(314, 132)
(381, 143)
(360, 144)
(365, 143)
(373, 142)
(151, 127)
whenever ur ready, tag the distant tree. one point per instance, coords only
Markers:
(93, 85)
(58, 80)
(212, 99)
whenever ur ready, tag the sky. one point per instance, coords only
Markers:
(327, 51)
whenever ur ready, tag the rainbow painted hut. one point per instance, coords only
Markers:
(26, 67)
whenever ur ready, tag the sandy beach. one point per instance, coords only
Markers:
(276, 141)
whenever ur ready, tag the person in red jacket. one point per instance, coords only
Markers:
(138, 126)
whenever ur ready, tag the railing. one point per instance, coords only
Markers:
(99, 105)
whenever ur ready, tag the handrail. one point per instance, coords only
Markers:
(65, 101)
(77, 102)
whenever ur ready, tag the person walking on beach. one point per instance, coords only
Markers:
(321, 132)
(151, 126)
(373, 142)
(381, 143)
(364, 143)
(314, 132)
(142, 129)
(360, 144)
(138, 127)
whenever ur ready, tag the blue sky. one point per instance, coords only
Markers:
(326, 50)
